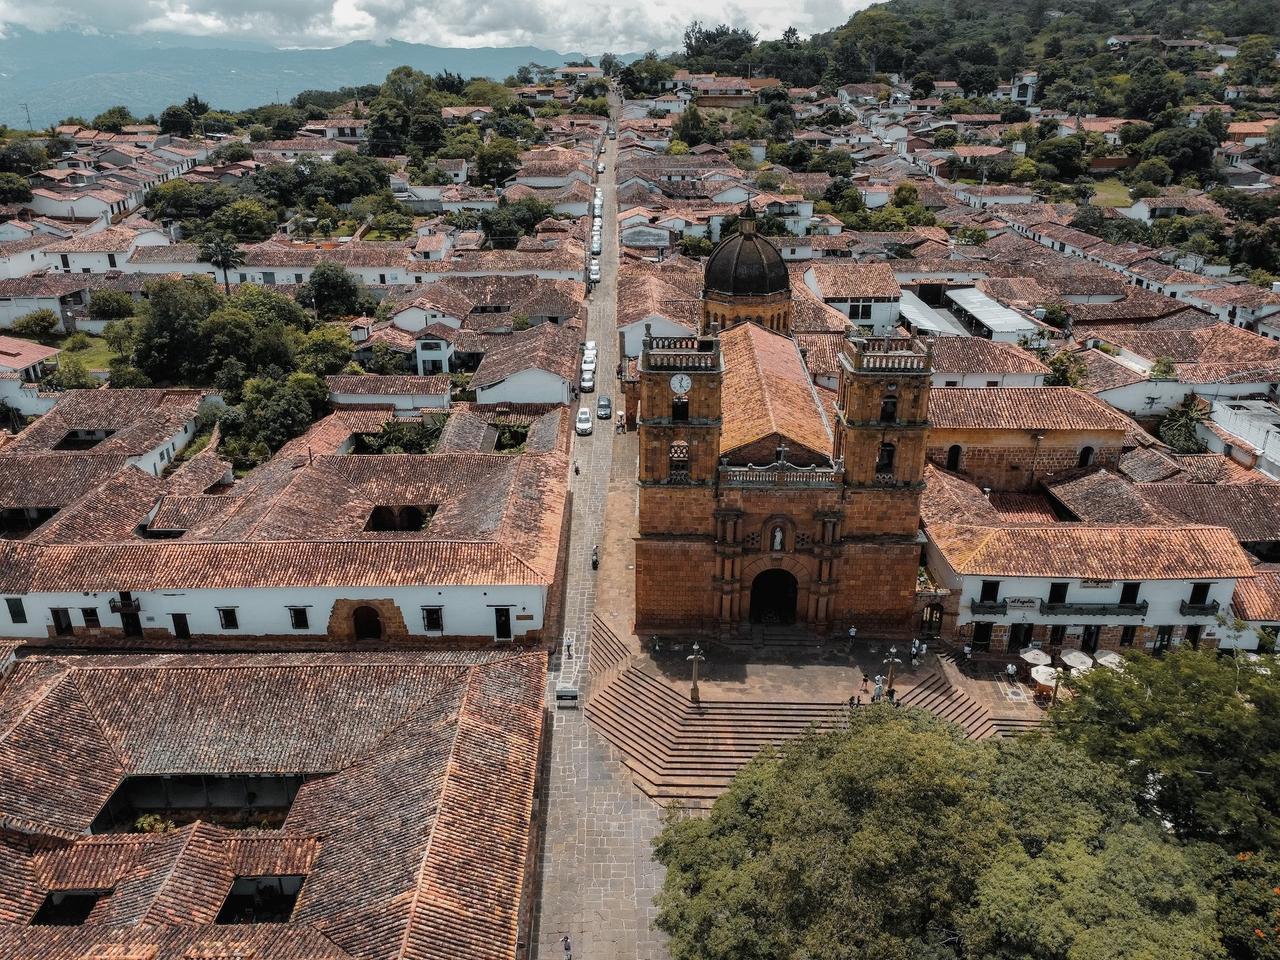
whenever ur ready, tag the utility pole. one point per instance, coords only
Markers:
(27, 108)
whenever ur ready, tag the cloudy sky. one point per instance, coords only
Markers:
(562, 25)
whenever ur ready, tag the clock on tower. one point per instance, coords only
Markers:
(681, 383)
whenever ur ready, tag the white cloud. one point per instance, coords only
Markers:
(563, 25)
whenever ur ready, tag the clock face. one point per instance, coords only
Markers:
(681, 383)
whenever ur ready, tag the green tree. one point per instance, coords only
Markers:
(1136, 895)
(945, 138)
(388, 127)
(1164, 720)
(72, 374)
(853, 844)
(269, 307)
(38, 324)
(22, 157)
(333, 291)
(497, 160)
(879, 35)
(246, 220)
(167, 345)
(14, 188)
(325, 352)
(1152, 88)
(177, 120)
(221, 251)
(113, 119)
(690, 127)
(108, 306)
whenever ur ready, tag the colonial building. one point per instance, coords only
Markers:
(761, 503)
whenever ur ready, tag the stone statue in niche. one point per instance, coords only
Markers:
(775, 543)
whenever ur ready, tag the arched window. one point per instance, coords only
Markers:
(381, 520)
(1086, 457)
(888, 409)
(953, 456)
(884, 462)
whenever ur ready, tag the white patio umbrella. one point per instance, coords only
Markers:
(1044, 675)
(1076, 660)
(1109, 659)
(1035, 656)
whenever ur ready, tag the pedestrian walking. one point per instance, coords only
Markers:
(865, 684)
(879, 691)
(568, 947)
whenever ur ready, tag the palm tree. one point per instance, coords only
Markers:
(224, 253)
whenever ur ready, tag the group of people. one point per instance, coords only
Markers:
(877, 695)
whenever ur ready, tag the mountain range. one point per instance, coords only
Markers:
(67, 73)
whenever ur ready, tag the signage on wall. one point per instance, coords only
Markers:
(1022, 603)
(1097, 584)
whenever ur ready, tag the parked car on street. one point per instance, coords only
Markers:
(604, 408)
(600, 167)
(584, 424)
(588, 382)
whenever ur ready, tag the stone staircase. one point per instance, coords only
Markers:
(936, 694)
(683, 754)
(686, 754)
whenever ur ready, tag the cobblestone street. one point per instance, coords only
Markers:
(598, 879)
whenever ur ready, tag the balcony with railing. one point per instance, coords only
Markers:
(1138, 609)
(780, 476)
(118, 605)
(988, 608)
(1189, 609)
(888, 355)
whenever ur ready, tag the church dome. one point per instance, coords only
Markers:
(746, 264)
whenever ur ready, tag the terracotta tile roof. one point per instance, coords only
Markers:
(110, 240)
(979, 355)
(1021, 408)
(18, 354)
(156, 565)
(384, 386)
(1258, 599)
(1217, 353)
(853, 281)
(769, 392)
(1092, 551)
(139, 419)
(545, 346)
(1250, 510)
(1023, 508)
(412, 829)
(1104, 497)
(1104, 372)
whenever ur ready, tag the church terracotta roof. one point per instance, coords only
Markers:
(767, 392)
(1021, 408)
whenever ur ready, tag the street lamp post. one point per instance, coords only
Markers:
(695, 658)
(892, 660)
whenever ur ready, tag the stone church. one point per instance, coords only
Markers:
(765, 500)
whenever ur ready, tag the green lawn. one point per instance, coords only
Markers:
(1111, 193)
(97, 357)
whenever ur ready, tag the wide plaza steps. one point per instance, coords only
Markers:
(936, 694)
(686, 754)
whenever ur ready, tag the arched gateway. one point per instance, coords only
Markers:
(773, 597)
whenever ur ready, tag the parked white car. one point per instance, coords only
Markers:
(584, 424)
(589, 363)
(594, 273)
(588, 382)
(589, 347)
(600, 167)
(595, 245)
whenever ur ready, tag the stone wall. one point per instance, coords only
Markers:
(1013, 460)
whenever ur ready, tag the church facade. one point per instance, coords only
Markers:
(762, 502)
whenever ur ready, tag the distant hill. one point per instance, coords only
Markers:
(66, 73)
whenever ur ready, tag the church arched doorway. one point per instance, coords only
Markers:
(773, 597)
(367, 623)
